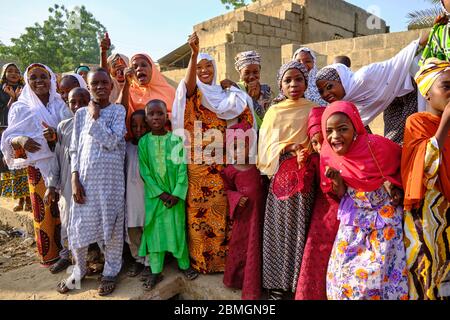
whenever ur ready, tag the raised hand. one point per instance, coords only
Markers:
(424, 39)
(194, 43)
(105, 43)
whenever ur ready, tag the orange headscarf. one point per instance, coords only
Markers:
(157, 88)
(420, 128)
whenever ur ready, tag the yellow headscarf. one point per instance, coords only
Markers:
(284, 123)
(429, 73)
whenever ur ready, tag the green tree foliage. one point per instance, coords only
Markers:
(63, 41)
(235, 4)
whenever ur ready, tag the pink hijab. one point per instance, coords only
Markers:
(371, 159)
(157, 88)
(315, 121)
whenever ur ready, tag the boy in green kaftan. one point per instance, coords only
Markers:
(165, 177)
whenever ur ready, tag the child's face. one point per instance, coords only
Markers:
(100, 85)
(84, 74)
(65, 86)
(78, 100)
(306, 59)
(317, 141)
(331, 91)
(143, 70)
(439, 95)
(205, 71)
(293, 84)
(251, 73)
(12, 74)
(156, 116)
(138, 126)
(340, 133)
(39, 81)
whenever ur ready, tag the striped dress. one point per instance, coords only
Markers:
(427, 237)
(438, 45)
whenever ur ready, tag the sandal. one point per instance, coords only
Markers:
(107, 286)
(60, 266)
(135, 270)
(276, 295)
(19, 206)
(152, 282)
(145, 274)
(63, 287)
(190, 274)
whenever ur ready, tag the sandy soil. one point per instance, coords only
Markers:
(15, 250)
(22, 277)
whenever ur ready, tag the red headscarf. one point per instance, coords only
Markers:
(315, 121)
(371, 159)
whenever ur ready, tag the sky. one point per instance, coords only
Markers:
(158, 27)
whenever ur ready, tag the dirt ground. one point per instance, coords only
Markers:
(16, 251)
(22, 277)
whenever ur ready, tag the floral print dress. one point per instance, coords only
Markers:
(368, 260)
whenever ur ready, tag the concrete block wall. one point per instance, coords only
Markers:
(269, 25)
(362, 51)
(325, 18)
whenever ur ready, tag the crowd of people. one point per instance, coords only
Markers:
(288, 195)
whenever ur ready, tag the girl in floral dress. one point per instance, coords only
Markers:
(368, 258)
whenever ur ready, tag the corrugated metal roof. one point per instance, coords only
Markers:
(178, 58)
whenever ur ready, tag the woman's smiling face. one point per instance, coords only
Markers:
(205, 71)
(340, 133)
(331, 91)
(39, 81)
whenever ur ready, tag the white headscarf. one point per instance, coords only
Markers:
(81, 81)
(26, 118)
(226, 104)
(373, 87)
(311, 93)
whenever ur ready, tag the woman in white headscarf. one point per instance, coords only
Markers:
(307, 57)
(375, 87)
(27, 143)
(201, 106)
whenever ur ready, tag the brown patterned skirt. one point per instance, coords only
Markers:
(47, 225)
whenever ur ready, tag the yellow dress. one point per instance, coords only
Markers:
(208, 224)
